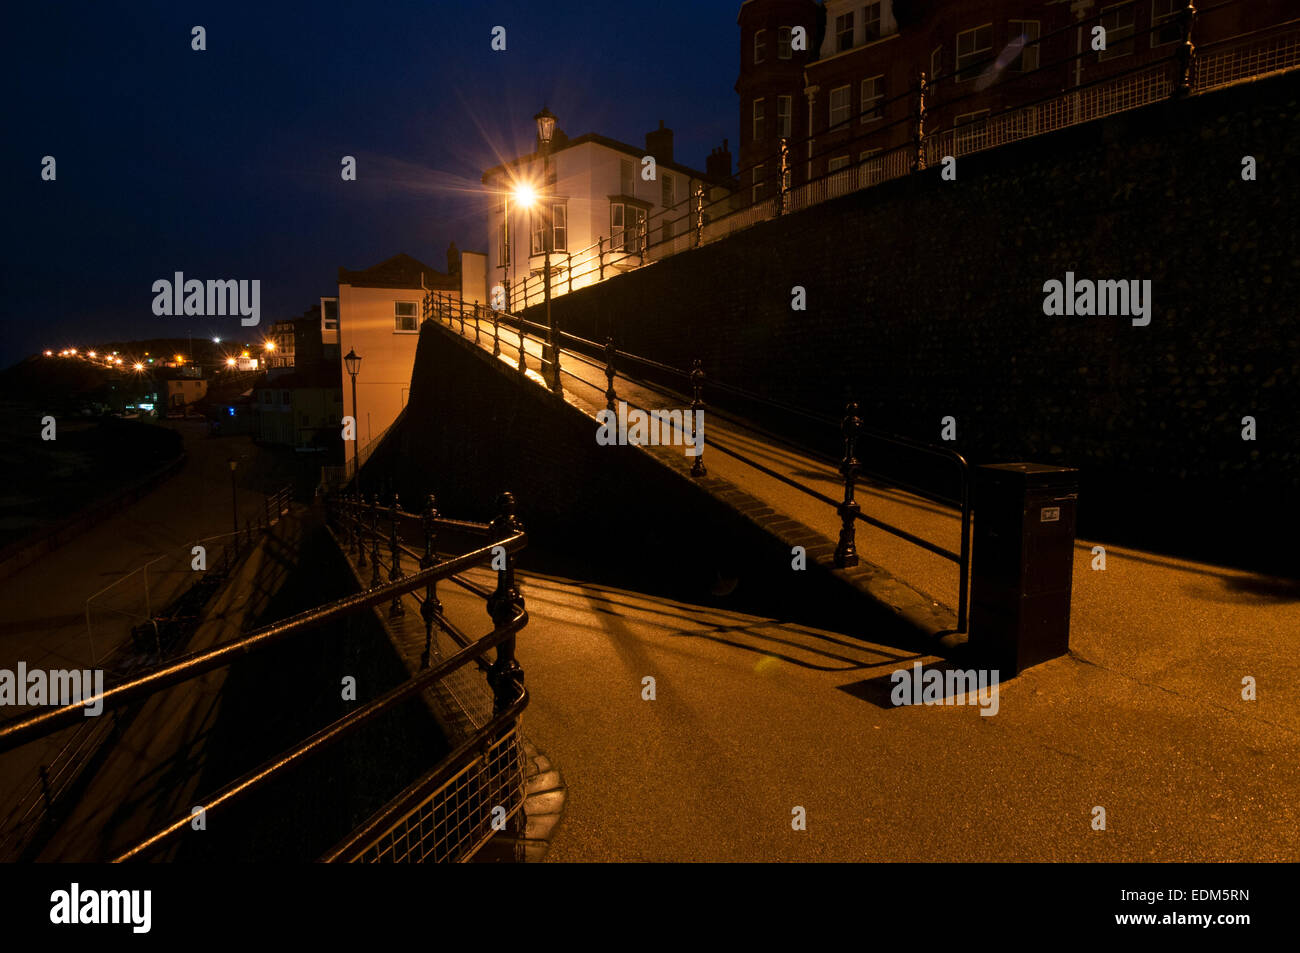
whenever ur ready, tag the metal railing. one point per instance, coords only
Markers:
(505, 605)
(950, 485)
(133, 637)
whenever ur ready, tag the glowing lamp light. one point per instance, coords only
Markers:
(92, 354)
(49, 353)
(525, 195)
(117, 360)
(270, 345)
(216, 340)
(230, 362)
(138, 366)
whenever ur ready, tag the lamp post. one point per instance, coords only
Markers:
(353, 363)
(505, 248)
(545, 130)
(234, 502)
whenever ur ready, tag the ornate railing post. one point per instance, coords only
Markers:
(922, 93)
(395, 610)
(783, 203)
(846, 552)
(523, 345)
(359, 513)
(496, 333)
(432, 606)
(610, 353)
(1186, 60)
(697, 408)
(506, 675)
(699, 214)
(601, 257)
(478, 315)
(375, 579)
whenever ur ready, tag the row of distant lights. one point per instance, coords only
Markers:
(112, 360)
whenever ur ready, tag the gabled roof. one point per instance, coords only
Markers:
(608, 143)
(400, 271)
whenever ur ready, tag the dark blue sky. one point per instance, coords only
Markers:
(225, 163)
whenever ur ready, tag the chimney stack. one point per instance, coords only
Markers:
(718, 165)
(659, 143)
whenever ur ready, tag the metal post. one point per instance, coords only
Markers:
(396, 610)
(374, 541)
(568, 268)
(432, 606)
(1186, 53)
(478, 316)
(601, 248)
(610, 352)
(699, 214)
(361, 530)
(783, 202)
(356, 431)
(496, 333)
(506, 675)
(523, 350)
(846, 552)
(697, 407)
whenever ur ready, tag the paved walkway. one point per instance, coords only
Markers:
(44, 621)
(1145, 718)
(753, 718)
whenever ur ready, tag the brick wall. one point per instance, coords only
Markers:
(925, 299)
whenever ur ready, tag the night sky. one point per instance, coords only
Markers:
(225, 163)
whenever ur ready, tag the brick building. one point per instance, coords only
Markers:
(852, 93)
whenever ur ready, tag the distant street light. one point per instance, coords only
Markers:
(216, 340)
(353, 363)
(138, 366)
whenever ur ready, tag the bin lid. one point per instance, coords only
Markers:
(1027, 475)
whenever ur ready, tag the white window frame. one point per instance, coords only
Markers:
(559, 227)
(836, 163)
(668, 191)
(852, 18)
(867, 21)
(619, 231)
(845, 109)
(784, 116)
(760, 46)
(784, 51)
(973, 55)
(760, 115)
(1028, 59)
(414, 317)
(1119, 39)
(936, 65)
(757, 182)
(869, 114)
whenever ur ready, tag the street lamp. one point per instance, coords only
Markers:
(234, 504)
(545, 130)
(353, 363)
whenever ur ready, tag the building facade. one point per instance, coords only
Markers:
(301, 409)
(852, 97)
(595, 208)
(377, 313)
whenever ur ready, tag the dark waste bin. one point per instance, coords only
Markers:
(1022, 564)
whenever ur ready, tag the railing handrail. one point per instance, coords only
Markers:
(337, 729)
(20, 730)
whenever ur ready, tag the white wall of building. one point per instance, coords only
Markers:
(368, 324)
